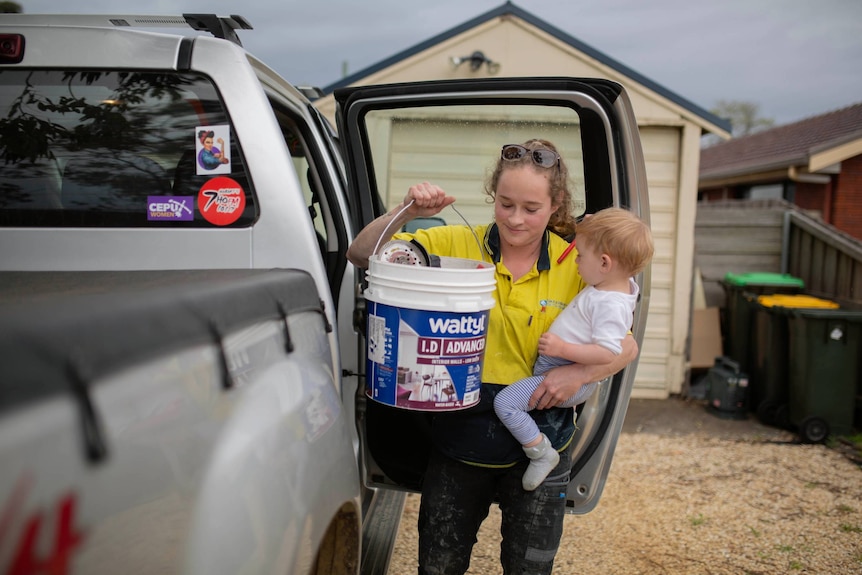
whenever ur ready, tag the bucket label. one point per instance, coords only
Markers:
(425, 360)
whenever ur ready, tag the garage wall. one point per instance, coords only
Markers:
(661, 153)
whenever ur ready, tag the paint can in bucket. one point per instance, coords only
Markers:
(426, 332)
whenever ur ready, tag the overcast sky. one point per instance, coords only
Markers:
(793, 58)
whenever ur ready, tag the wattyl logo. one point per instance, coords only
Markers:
(467, 325)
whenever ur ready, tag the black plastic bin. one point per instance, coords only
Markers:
(768, 386)
(824, 371)
(727, 389)
(741, 291)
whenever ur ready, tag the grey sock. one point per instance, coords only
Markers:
(543, 459)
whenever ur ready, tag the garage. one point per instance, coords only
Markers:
(423, 148)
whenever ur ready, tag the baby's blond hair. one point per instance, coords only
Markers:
(621, 235)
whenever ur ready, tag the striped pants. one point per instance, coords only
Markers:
(512, 404)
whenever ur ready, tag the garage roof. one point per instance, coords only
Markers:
(509, 9)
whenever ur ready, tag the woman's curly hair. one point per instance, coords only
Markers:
(562, 221)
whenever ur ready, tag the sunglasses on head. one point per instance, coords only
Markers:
(541, 157)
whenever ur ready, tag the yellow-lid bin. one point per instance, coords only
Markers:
(796, 301)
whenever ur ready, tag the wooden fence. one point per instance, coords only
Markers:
(829, 261)
(776, 237)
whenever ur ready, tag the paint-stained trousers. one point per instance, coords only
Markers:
(456, 498)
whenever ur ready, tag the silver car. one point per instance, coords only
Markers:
(182, 337)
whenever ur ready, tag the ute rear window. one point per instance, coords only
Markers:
(118, 149)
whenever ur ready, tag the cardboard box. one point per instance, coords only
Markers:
(705, 337)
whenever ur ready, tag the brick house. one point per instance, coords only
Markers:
(815, 164)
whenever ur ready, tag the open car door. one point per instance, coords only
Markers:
(449, 133)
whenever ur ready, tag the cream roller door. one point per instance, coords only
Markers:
(459, 155)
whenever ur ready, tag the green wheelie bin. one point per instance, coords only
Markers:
(824, 371)
(741, 291)
(769, 389)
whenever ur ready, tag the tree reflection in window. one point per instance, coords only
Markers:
(87, 147)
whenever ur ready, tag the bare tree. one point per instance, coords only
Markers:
(744, 117)
(744, 120)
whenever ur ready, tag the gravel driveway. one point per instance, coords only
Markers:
(691, 493)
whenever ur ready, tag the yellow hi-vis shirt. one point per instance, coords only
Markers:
(525, 308)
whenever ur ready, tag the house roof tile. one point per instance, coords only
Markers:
(783, 146)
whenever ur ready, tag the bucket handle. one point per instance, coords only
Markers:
(402, 210)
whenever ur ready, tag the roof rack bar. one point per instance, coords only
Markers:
(219, 26)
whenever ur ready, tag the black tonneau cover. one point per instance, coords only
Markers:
(61, 330)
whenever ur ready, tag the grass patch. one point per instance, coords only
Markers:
(697, 520)
(855, 439)
(850, 446)
(847, 528)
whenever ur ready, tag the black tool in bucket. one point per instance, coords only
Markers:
(426, 327)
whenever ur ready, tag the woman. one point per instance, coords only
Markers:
(475, 460)
(211, 157)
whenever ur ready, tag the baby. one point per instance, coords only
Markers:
(613, 246)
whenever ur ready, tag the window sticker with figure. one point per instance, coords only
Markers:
(212, 144)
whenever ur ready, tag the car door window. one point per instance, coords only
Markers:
(455, 147)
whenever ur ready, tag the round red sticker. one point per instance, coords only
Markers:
(221, 201)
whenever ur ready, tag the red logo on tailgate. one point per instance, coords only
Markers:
(67, 538)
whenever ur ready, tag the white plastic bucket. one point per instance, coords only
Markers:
(426, 332)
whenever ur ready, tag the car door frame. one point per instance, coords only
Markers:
(615, 175)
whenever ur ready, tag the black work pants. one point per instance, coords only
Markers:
(456, 498)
